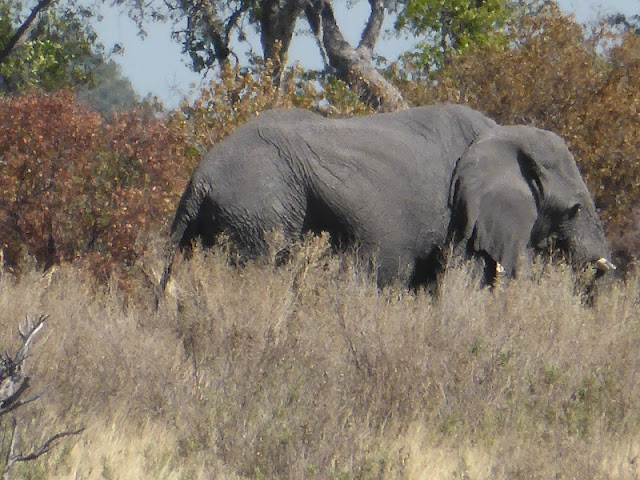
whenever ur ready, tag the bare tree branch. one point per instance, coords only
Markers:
(20, 403)
(315, 22)
(13, 383)
(13, 458)
(28, 331)
(46, 446)
(12, 447)
(354, 65)
(371, 32)
(11, 389)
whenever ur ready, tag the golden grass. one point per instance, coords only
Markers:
(310, 371)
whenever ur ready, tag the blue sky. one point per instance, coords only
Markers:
(155, 64)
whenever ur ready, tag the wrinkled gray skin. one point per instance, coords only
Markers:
(518, 187)
(392, 183)
(381, 180)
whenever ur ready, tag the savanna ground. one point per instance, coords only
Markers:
(310, 371)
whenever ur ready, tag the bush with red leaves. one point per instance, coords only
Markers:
(77, 185)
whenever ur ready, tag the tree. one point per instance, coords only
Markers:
(451, 26)
(207, 28)
(19, 35)
(75, 185)
(628, 23)
(50, 49)
(108, 90)
(14, 384)
(354, 64)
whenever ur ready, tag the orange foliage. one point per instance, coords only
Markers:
(237, 95)
(76, 185)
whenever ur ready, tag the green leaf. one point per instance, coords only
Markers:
(451, 26)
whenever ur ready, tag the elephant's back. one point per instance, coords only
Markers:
(396, 176)
(411, 158)
(401, 161)
(449, 127)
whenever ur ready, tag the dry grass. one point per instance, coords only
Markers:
(310, 371)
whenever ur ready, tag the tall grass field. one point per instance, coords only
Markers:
(309, 371)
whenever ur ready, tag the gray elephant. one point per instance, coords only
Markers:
(402, 185)
(518, 187)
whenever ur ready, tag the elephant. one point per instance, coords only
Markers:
(401, 185)
(518, 187)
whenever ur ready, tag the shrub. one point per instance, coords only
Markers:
(238, 94)
(76, 185)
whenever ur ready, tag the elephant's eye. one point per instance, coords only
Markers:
(575, 210)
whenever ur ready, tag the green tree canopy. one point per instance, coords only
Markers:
(45, 46)
(451, 26)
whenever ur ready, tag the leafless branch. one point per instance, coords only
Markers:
(12, 448)
(46, 446)
(28, 331)
(234, 18)
(13, 458)
(13, 382)
(371, 32)
(10, 391)
(19, 403)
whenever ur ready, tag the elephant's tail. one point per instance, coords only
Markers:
(164, 279)
(183, 229)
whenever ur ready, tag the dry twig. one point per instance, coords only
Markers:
(13, 385)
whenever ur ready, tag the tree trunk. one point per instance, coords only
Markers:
(277, 24)
(354, 65)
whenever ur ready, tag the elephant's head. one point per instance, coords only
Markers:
(518, 187)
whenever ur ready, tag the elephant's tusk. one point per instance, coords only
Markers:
(499, 269)
(605, 265)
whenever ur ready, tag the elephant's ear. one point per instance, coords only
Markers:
(495, 194)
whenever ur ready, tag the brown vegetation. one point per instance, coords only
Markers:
(78, 186)
(75, 185)
(309, 371)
